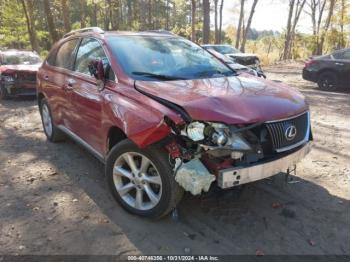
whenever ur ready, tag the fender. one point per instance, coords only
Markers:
(140, 117)
(167, 103)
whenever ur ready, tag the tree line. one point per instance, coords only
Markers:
(36, 24)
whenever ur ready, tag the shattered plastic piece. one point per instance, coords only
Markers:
(311, 242)
(194, 177)
(259, 253)
(276, 205)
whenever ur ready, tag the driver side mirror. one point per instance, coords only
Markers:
(96, 69)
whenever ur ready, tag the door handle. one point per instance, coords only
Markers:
(340, 64)
(69, 85)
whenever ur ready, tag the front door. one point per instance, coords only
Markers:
(342, 65)
(87, 100)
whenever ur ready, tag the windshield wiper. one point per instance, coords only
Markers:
(158, 76)
(211, 73)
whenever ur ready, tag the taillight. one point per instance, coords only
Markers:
(310, 63)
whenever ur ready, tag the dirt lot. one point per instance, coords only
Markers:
(54, 199)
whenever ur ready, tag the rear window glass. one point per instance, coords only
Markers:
(65, 55)
(342, 55)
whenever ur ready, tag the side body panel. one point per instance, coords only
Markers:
(53, 83)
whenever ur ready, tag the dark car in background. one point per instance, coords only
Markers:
(18, 71)
(250, 60)
(329, 71)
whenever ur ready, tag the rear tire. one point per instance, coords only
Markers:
(52, 132)
(328, 81)
(148, 191)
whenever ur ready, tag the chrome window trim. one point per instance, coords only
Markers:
(77, 49)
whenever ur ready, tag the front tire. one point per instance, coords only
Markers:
(3, 93)
(142, 181)
(52, 132)
(328, 81)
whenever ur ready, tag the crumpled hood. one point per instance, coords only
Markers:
(9, 69)
(231, 100)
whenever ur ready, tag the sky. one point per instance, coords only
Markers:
(269, 15)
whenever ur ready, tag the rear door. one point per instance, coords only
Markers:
(87, 100)
(342, 65)
(55, 81)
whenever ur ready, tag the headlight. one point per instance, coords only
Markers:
(238, 143)
(7, 78)
(225, 136)
(216, 134)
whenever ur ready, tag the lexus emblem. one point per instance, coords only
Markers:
(290, 132)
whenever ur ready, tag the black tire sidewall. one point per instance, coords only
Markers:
(328, 75)
(163, 167)
(56, 133)
(3, 93)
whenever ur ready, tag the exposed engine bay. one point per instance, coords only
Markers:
(200, 151)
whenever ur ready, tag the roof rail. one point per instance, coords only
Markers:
(160, 31)
(84, 30)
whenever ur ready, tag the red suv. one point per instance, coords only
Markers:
(165, 116)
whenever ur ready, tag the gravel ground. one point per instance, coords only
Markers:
(54, 199)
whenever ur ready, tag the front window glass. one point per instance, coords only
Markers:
(164, 58)
(346, 55)
(19, 58)
(89, 50)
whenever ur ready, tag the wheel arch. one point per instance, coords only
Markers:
(40, 97)
(115, 135)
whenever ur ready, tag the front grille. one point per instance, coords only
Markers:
(26, 77)
(278, 132)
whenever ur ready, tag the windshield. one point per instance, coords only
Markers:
(19, 58)
(226, 49)
(165, 58)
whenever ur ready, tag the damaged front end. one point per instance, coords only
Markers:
(198, 151)
(19, 83)
(202, 152)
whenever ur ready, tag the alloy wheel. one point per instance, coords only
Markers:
(137, 181)
(46, 120)
(328, 82)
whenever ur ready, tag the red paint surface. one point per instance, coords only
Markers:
(12, 69)
(231, 100)
(91, 113)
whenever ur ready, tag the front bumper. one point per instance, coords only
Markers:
(242, 175)
(20, 88)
